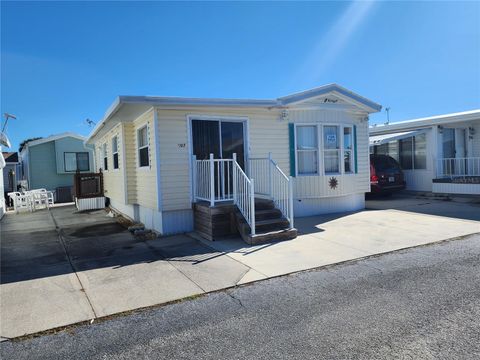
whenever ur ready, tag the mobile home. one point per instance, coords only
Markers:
(51, 162)
(439, 154)
(307, 153)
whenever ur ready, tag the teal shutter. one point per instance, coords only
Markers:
(291, 135)
(355, 147)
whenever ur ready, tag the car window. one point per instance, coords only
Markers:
(384, 163)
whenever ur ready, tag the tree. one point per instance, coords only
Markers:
(24, 142)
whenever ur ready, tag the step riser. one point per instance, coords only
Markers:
(274, 228)
(264, 206)
(287, 235)
(273, 214)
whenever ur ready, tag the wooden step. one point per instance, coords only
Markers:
(264, 204)
(272, 236)
(271, 225)
(267, 214)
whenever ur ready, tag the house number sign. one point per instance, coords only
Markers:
(181, 145)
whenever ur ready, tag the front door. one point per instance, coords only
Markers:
(454, 151)
(220, 138)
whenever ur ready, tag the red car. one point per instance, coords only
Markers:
(386, 175)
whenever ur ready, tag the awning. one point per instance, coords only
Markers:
(386, 138)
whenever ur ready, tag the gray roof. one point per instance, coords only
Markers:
(139, 103)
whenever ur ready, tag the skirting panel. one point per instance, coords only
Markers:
(449, 188)
(327, 205)
(90, 203)
(177, 221)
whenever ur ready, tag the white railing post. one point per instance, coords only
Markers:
(234, 176)
(269, 174)
(290, 200)
(252, 206)
(194, 177)
(212, 181)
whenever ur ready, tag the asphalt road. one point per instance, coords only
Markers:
(422, 303)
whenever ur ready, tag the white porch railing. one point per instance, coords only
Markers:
(217, 180)
(271, 181)
(244, 194)
(458, 167)
(213, 180)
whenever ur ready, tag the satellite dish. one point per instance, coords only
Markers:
(4, 140)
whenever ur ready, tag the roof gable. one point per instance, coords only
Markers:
(10, 157)
(55, 137)
(330, 94)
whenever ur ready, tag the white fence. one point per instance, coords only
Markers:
(458, 167)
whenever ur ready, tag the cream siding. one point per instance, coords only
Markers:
(130, 162)
(145, 177)
(267, 132)
(113, 179)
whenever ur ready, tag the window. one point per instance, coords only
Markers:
(105, 158)
(307, 150)
(76, 161)
(406, 153)
(331, 149)
(411, 152)
(420, 152)
(115, 152)
(348, 149)
(143, 147)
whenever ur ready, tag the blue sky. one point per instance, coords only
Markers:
(64, 62)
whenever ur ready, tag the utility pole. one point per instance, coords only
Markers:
(387, 110)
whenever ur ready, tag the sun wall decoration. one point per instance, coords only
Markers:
(333, 183)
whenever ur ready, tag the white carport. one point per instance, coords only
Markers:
(386, 138)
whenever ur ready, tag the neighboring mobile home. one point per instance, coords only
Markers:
(50, 163)
(439, 154)
(2, 198)
(11, 172)
(311, 147)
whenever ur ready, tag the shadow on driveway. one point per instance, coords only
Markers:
(87, 241)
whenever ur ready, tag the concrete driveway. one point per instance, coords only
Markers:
(60, 267)
(388, 224)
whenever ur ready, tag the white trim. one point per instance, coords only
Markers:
(156, 130)
(55, 137)
(124, 158)
(361, 102)
(105, 155)
(321, 150)
(426, 122)
(246, 138)
(314, 125)
(137, 130)
(115, 136)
